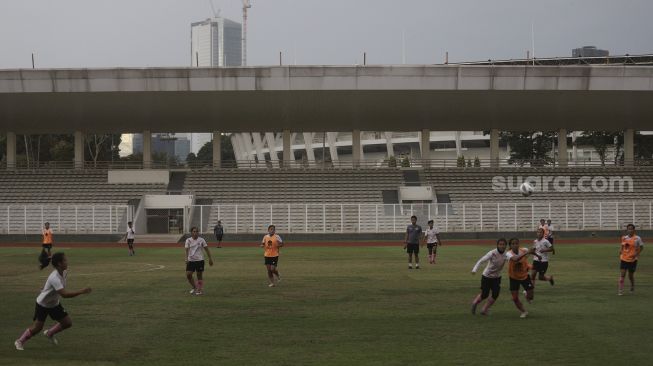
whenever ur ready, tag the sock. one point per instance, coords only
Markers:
(200, 284)
(410, 265)
(27, 334)
(487, 305)
(54, 330)
(621, 283)
(477, 299)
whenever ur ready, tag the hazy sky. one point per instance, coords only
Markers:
(139, 33)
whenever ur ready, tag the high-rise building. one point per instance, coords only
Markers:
(216, 42)
(589, 51)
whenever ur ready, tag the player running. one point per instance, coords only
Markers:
(491, 278)
(130, 235)
(432, 238)
(631, 247)
(272, 243)
(542, 248)
(411, 241)
(518, 272)
(48, 303)
(195, 260)
(544, 227)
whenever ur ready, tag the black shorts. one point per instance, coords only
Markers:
(629, 266)
(218, 237)
(527, 284)
(56, 313)
(432, 247)
(272, 261)
(130, 241)
(196, 266)
(46, 246)
(490, 284)
(412, 248)
(550, 239)
(540, 267)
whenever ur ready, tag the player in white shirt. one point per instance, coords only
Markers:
(195, 260)
(130, 235)
(542, 248)
(432, 239)
(491, 278)
(550, 236)
(48, 303)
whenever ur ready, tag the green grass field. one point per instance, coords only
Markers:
(335, 306)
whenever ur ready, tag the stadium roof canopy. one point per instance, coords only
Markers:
(328, 98)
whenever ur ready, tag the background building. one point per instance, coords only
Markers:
(589, 51)
(214, 42)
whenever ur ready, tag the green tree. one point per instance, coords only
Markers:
(601, 141)
(204, 156)
(528, 146)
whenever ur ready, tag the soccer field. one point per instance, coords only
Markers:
(334, 306)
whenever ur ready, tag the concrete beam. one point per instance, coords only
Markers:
(217, 150)
(562, 147)
(494, 148)
(147, 149)
(79, 149)
(458, 144)
(258, 146)
(629, 147)
(356, 150)
(11, 150)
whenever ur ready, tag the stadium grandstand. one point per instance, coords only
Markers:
(306, 178)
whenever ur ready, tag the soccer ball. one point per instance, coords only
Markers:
(526, 189)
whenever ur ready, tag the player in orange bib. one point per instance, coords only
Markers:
(518, 272)
(631, 247)
(272, 243)
(46, 246)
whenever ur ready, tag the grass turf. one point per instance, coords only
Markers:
(334, 306)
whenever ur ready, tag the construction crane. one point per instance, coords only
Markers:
(246, 5)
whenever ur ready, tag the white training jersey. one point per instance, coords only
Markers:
(131, 233)
(551, 230)
(539, 246)
(495, 262)
(195, 249)
(49, 297)
(431, 235)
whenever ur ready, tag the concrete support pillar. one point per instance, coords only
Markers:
(494, 148)
(258, 146)
(308, 145)
(356, 147)
(574, 150)
(562, 147)
(425, 146)
(79, 149)
(217, 150)
(389, 146)
(272, 146)
(287, 149)
(629, 147)
(147, 149)
(333, 149)
(11, 150)
(458, 144)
